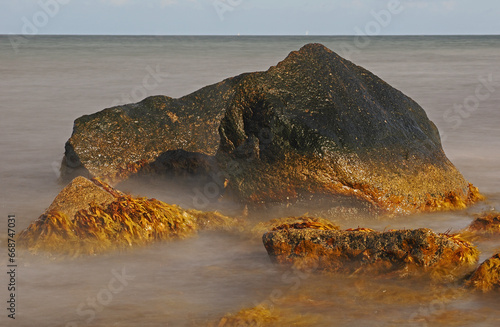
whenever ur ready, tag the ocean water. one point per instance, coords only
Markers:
(49, 81)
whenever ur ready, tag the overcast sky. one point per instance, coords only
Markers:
(250, 17)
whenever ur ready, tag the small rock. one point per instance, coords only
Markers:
(487, 276)
(262, 316)
(90, 217)
(79, 194)
(488, 224)
(365, 250)
(295, 223)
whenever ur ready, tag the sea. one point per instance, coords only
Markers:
(49, 81)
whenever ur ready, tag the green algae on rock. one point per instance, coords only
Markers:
(90, 217)
(363, 250)
(313, 124)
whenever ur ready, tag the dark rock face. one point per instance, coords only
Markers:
(313, 124)
(368, 251)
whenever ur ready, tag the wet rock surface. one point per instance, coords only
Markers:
(80, 193)
(364, 250)
(91, 217)
(313, 124)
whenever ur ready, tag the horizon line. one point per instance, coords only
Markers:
(244, 35)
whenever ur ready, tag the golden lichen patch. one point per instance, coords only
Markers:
(487, 276)
(173, 117)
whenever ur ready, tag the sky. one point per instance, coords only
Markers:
(250, 17)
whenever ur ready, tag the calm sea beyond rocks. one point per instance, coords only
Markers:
(314, 124)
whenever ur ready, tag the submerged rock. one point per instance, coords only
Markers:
(313, 124)
(487, 276)
(486, 225)
(90, 217)
(367, 251)
(262, 316)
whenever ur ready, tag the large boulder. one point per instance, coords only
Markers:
(313, 124)
(91, 217)
(367, 251)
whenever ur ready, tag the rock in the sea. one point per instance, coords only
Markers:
(90, 217)
(487, 276)
(366, 251)
(80, 193)
(313, 124)
(488, 224)
(293, 222)
(264, 316)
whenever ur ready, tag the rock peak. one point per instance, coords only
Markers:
(315, 47)
(312, 52)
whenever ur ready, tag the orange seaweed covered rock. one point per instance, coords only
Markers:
(294, 222)
(315, 123)
(364, 250)
(488, 224)
(264, 316)
(90, 217)
(487, 276)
